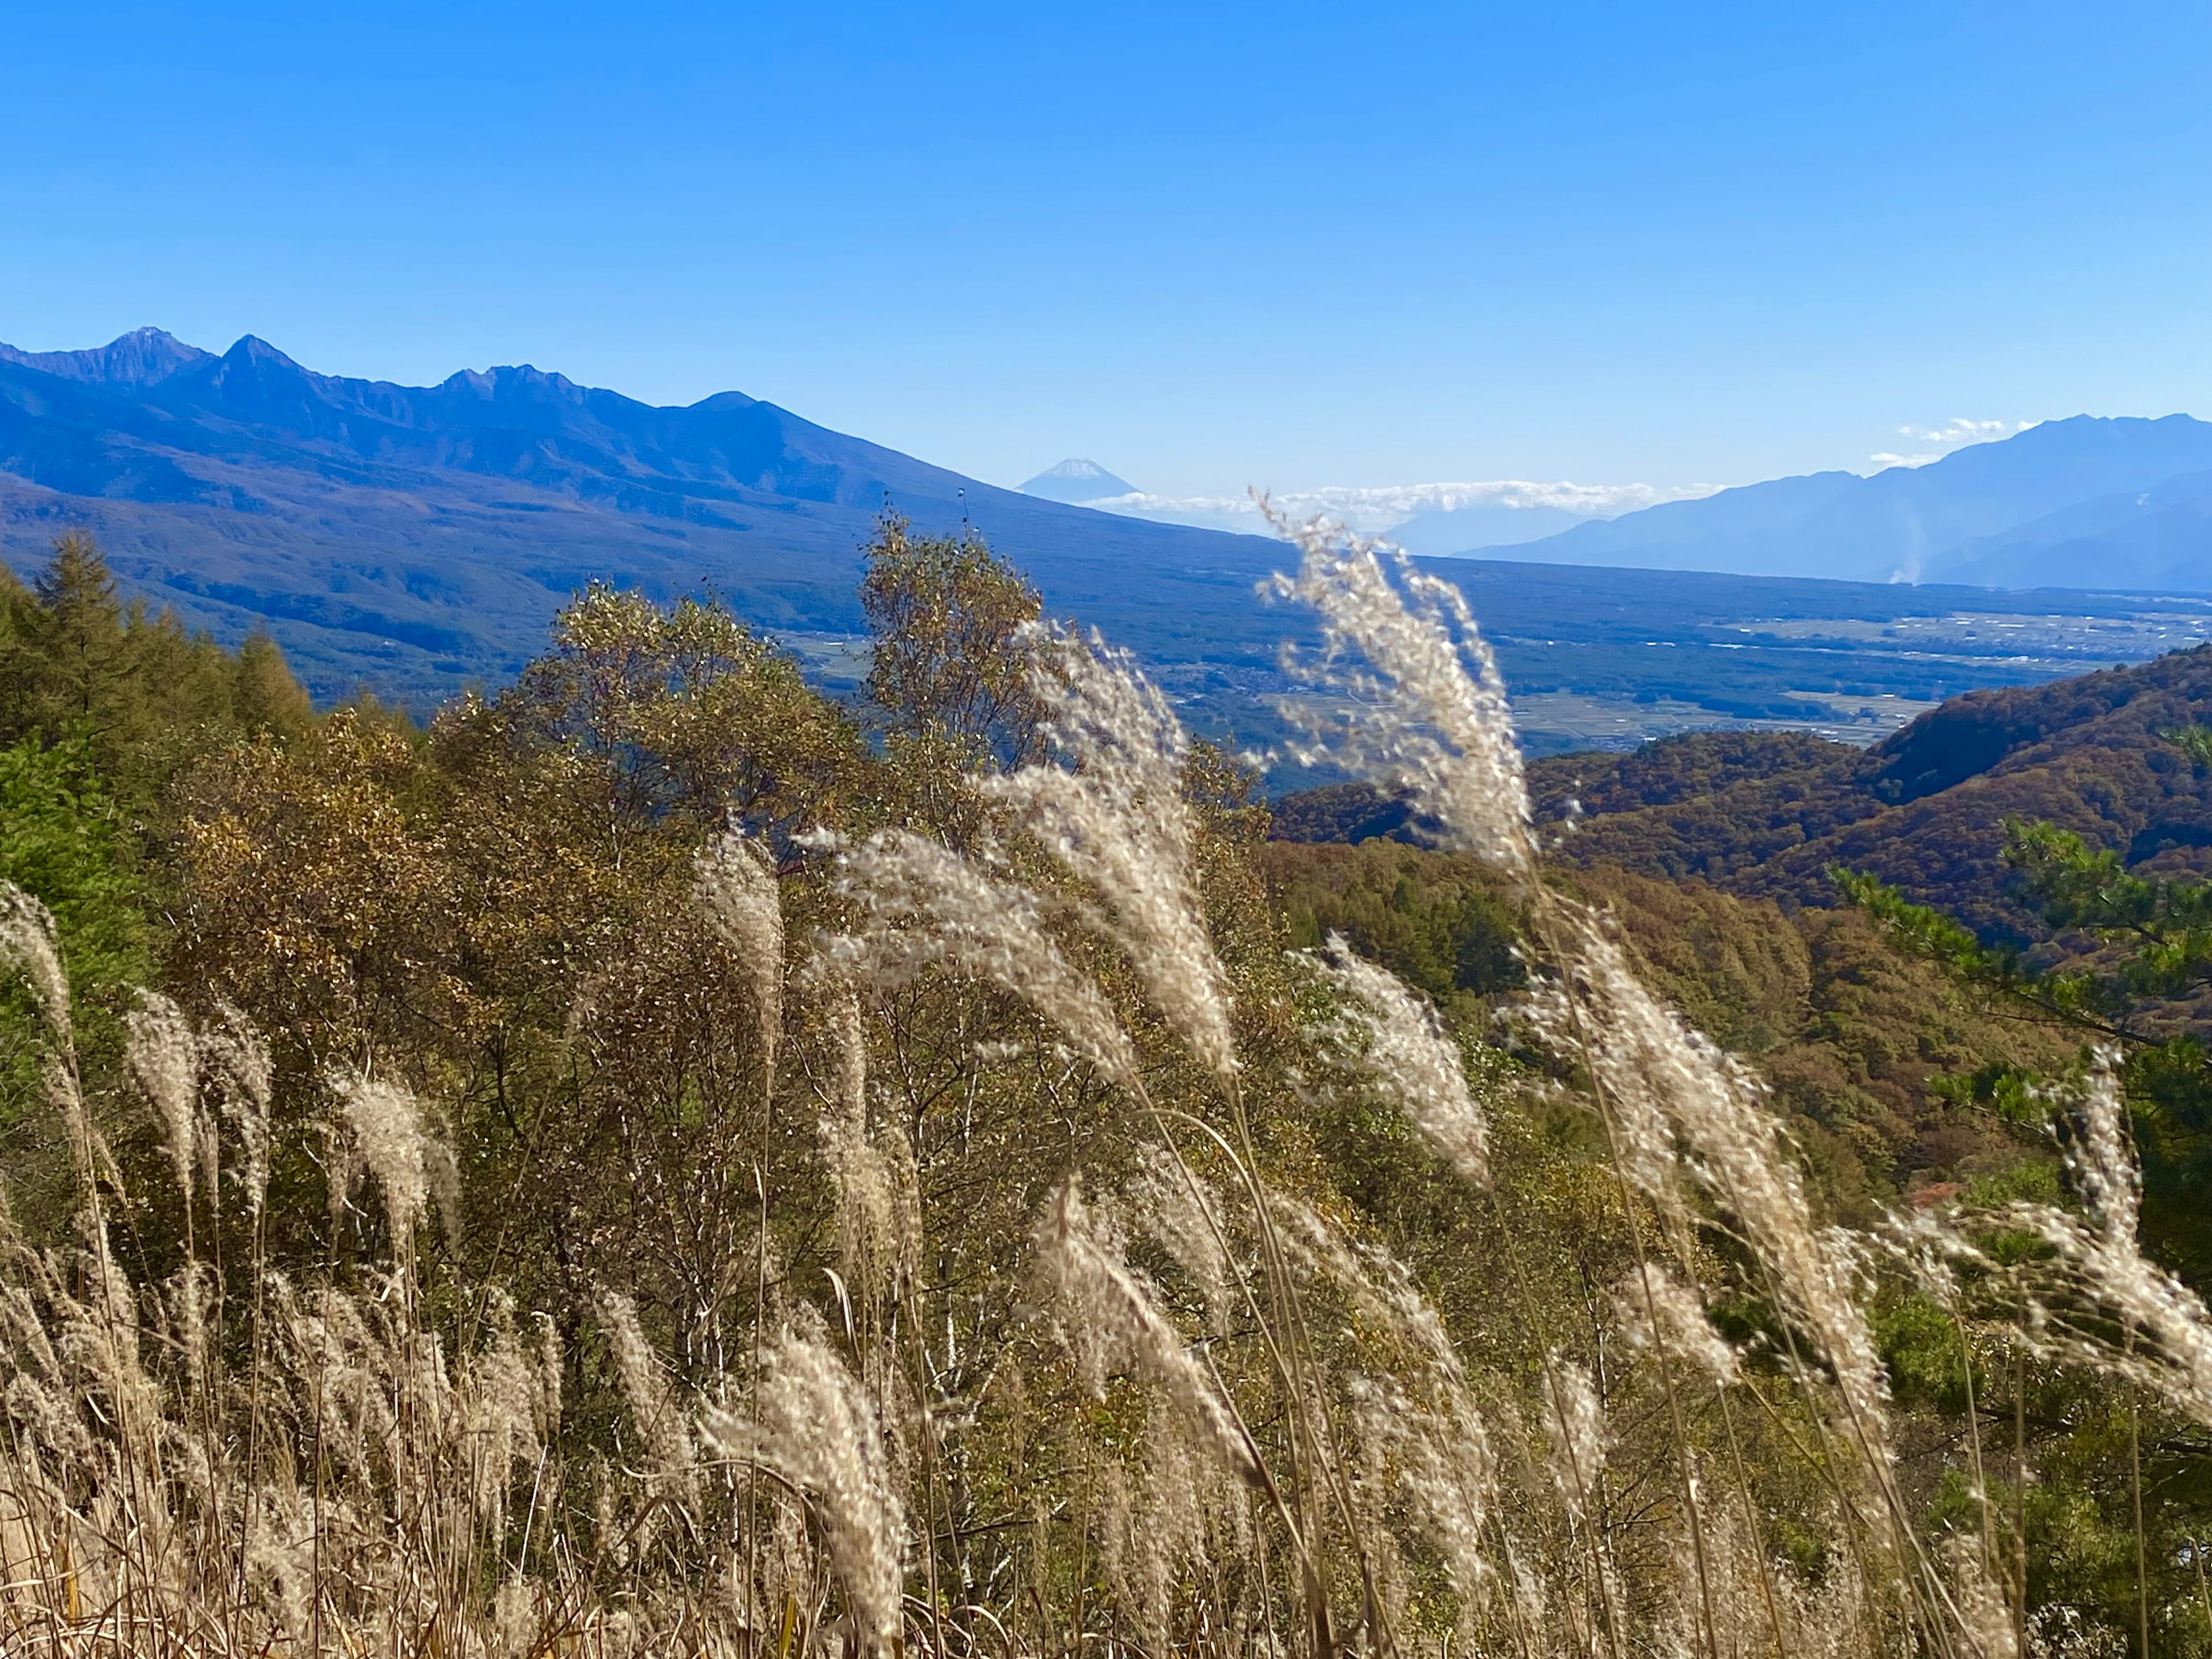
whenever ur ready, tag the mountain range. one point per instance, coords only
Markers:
(2121, 503)
(413, 539)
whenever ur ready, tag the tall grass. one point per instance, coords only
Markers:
(1230, 1420)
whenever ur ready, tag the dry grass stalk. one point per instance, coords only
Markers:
(410, 1162)
(1426, 711)
(163, 1057)
(1397, 1036)
(928, 906)
(2096, 1300)
(814, 1426)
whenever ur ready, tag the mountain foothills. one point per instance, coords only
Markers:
(1769, 815)
(658, 1159)
(2051, 845)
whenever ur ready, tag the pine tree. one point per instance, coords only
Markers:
(75, 635)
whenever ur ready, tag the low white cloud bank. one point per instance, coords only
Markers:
(1374, 509)
(1934, 443)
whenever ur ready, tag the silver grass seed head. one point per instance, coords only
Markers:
(1171, 1205)
(878, 1188)
(660, 1421)
(1113, 1322)
(1677, 1099)
(1425, 710)
(1578, 1439)
(2101, 1160)
(815, 1426)
(2096, 1275)
(1115, 817)
(550, 1371)
(409, 1162)
(1397, 1036)
(28, 947)
(928, 906)
(162, 1054)
(1661, 1314)
(1446, 1473)
(246, 1075)
(737, 887)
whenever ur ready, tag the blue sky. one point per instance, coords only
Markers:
(1210, 246)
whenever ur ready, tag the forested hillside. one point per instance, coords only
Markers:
(1764, 814)
(655, 1160)
(1925, 810)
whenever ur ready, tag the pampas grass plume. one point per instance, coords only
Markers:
(1114, 816)
(736, 881)
(1391, 1032)
(163, 1054)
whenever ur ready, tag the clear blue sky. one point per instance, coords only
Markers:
(1207, 244)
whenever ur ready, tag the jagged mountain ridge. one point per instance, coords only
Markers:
(145, 356)
(415, 538)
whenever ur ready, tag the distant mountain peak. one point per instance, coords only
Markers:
(2060, 504)
(252, 348)
(144, 356)
(1076, 480)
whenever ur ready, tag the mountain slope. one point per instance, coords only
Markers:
(1908, 521)
(2160, 538)
(416, 538)
(1764, 814)
(142, 357)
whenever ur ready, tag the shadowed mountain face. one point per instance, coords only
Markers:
(415, 537)
(2086, 503)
